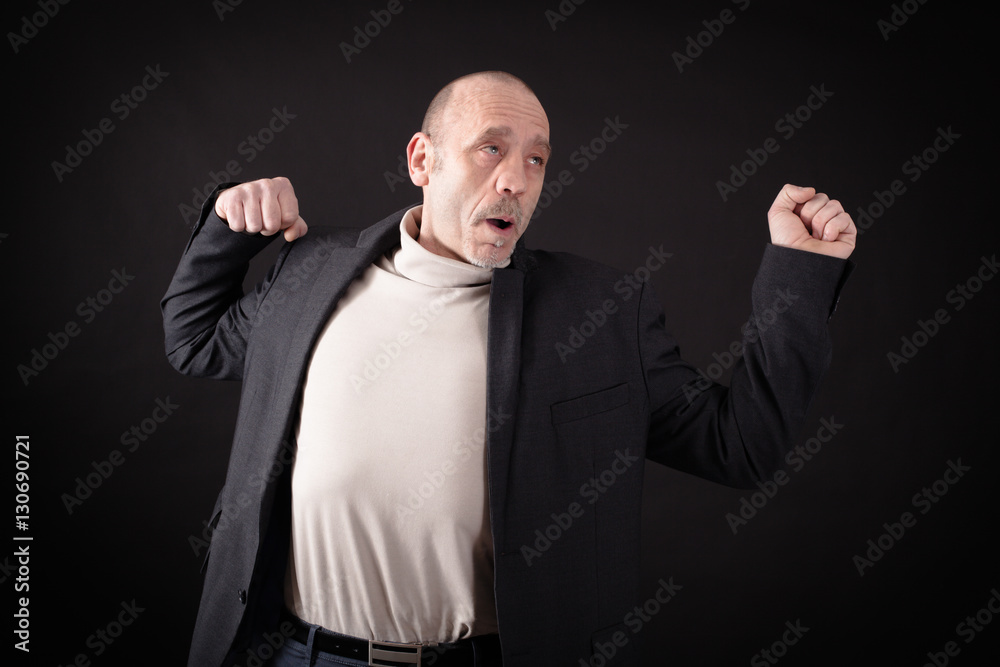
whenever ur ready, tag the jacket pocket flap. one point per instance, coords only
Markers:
(590, 404)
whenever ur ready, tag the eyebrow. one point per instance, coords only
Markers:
(505, 131)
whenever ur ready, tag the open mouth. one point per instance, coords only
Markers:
(499, 223)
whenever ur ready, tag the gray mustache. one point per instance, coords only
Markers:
(503, 208)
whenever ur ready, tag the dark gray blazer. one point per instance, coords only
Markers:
(568, 432)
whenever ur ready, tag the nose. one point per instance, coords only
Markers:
(511, 179)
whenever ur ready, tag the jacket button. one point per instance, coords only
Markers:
(243, 596)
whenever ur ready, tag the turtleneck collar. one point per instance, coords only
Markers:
(415, 262)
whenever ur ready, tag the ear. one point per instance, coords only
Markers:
(419, 158)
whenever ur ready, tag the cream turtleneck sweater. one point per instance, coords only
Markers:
(390, 520)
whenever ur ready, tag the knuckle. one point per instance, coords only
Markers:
(252, 191)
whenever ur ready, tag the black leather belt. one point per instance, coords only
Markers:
(481, 650)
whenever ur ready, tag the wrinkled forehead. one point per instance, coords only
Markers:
(477, 106)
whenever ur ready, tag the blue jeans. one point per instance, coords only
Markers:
(294, 653)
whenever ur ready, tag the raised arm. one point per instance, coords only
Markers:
(206, 315)
(740, 435)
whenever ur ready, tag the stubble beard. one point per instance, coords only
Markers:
(502, 208)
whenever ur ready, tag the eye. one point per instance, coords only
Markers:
(492, 149)
(538, 160)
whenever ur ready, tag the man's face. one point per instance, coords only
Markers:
(487, 173)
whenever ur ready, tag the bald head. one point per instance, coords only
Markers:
(480, 158)
(452, 98)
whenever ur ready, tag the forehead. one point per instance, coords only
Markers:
(480, 106)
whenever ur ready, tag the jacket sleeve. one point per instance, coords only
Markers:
(206, 316)
(739, 435)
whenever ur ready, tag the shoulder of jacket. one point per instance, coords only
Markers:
(340, 237)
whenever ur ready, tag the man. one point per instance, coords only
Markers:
(456, 476)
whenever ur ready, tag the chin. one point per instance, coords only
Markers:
(486, 262)
(485, 259)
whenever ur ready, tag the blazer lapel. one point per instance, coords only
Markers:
(338, 272)
(503, 365)
(503, 358)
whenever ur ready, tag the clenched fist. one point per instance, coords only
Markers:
(267, 206)
(804, 219)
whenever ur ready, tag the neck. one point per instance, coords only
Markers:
(426, 238)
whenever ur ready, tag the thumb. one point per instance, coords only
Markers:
(220, 208)
(297, 230)
(791, 196)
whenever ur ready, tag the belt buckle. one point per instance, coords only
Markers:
(391, 654)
